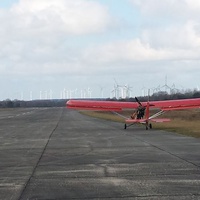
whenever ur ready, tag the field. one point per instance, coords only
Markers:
(186, 122)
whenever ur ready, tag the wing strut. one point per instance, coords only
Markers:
(157, 114)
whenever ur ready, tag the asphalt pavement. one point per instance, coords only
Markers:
(56, 153)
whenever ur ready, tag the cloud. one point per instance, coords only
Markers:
(185, 36)
(35, 34)
(71, 17)
(193, 5)
(145, 50)
(130, 50)
(170, 28)
(181, 10)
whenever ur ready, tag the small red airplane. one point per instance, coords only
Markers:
(142, 109)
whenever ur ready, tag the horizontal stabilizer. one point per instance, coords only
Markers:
(135, 121)
(160, 120)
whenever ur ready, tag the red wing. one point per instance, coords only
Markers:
(117, 106)
(176, 104)
(100, 105)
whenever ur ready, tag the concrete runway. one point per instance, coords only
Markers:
(60, 154)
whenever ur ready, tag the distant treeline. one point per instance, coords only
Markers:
(62, 102)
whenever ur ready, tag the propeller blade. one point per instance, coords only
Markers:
(138, 101)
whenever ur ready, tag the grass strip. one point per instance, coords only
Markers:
(186, 122)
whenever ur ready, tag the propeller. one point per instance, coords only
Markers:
(137, 100)
(140, 109)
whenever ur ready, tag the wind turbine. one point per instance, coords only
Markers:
(127, 91)
(22, 96)
(166, 86)
(31, 95)
(101, 91)
(51, 94)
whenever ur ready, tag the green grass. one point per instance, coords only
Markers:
(186, 122)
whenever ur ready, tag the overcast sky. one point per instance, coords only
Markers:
(73, 45)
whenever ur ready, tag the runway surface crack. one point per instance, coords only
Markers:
(44, 149)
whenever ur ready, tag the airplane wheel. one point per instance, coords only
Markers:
(125, 126)
(150, 126)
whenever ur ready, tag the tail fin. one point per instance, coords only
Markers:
(147, 111)
(147, 108)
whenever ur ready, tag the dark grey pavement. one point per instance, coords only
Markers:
(57, 153)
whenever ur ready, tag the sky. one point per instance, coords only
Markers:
(86, 48)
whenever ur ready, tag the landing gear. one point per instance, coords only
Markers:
(149, 126)
(125, 126)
